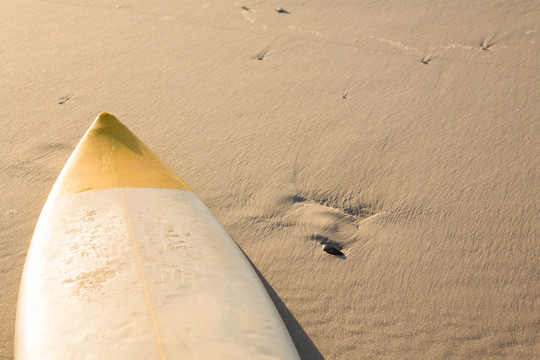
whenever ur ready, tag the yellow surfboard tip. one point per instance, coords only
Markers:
(111, 156)
(105, 119)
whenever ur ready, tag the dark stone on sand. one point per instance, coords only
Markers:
(331, 249)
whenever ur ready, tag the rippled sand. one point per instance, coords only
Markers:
(405, 134)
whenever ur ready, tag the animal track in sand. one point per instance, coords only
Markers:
(298, 28)
(397, 44)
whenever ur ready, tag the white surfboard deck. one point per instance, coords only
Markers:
(140, 273)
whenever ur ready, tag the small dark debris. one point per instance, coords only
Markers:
(485, 47)
(281, 11)
(63, 99)
(331, 249)
(246, 8)
(261, 55)
(425, 61)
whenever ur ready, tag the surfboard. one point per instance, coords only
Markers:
(126, 262)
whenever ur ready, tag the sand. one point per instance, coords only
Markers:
(405, 133)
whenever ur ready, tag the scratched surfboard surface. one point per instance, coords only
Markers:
(126, 262)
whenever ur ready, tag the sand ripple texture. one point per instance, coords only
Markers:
(405, 133)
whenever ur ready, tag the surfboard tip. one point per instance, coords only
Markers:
(111, 156)
(105, 119)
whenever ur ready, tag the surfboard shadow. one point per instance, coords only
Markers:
(305, 347)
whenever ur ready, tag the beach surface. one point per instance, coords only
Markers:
(405, 133)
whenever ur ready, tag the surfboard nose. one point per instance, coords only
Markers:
(111, 156)
(105, 119)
